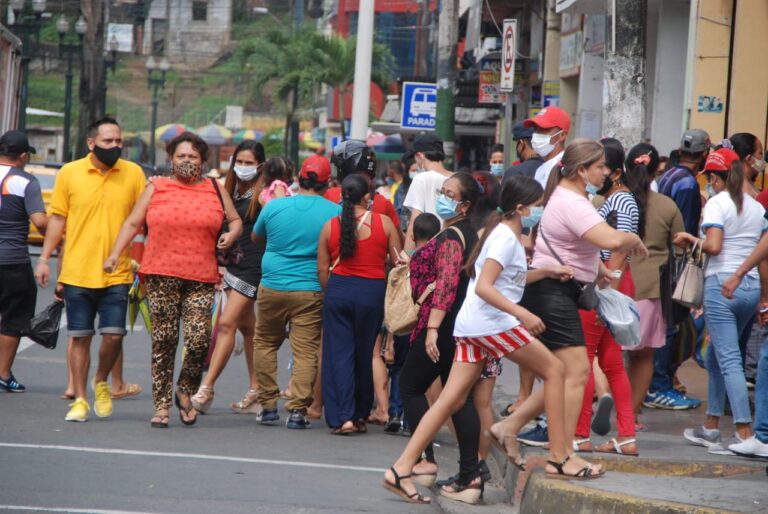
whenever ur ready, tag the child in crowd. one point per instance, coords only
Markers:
(278, 176)
(425, 227)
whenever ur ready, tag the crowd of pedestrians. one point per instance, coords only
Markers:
(503, 264)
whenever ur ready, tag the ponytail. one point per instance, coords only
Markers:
(734, 184)
(353, 190)
(641, 164)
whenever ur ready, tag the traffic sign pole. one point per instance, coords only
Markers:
(446, 78)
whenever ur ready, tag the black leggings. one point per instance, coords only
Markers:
(419, 372)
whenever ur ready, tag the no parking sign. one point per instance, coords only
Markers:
(508, 48)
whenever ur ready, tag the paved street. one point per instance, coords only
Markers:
(225, 463)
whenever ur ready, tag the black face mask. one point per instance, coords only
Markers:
(607, 185)
(108, 156)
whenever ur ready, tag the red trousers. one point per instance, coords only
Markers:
(600, 342)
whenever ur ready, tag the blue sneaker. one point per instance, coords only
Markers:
(297, 420)
(670, 399)
(11, 385)
(537, 436)
(267, 416)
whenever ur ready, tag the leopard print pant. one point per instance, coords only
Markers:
(172, 300)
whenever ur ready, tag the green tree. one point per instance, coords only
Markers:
(336, 57)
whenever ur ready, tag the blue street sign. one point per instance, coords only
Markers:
(419, 106)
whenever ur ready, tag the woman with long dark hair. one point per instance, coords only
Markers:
(352, 252)
(662, 220)
(625, 208)
(440, 264)
(244, 183)
(733, 223)
(491, 324)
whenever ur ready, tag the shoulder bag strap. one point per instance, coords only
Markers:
(359, 226)
(218, 193)
(554, 254)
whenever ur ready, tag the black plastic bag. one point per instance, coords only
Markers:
(44, 328)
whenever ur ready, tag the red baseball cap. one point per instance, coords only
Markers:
(548, 117)
(720, 160)
(318, 165)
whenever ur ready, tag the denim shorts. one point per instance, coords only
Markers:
(83, 303)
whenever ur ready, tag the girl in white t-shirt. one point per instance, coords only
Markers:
(492, 324)
(733, 224)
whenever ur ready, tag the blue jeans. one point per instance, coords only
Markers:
(83, 303)
(402, 345)
(761, 396)
(727, 320)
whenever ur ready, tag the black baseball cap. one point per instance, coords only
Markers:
(427, 143)
(14, 142)
(520, 131)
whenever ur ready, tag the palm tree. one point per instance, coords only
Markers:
(337, 58)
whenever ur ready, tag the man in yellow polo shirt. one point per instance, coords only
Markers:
(92, 198)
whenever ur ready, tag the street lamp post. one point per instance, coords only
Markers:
(156, 84)
(26, 27)
(111, 65)
(69, 50)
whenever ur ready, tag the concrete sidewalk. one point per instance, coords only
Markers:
(670, 475)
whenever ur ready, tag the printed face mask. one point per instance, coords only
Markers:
(187, 171)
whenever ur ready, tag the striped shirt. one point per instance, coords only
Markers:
(621, 212)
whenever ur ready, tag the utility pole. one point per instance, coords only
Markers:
(422, 40)
(624, 73)
(446, 77)
(363, 56)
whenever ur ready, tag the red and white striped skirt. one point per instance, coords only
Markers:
(475, 349)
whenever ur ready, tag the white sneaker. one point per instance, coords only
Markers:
(722, 447)
(751, 447)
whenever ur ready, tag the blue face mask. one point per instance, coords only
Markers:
(533, 218)
(446, 207)
(497, 169)
(390, 181)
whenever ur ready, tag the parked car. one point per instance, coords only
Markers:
(46, 174)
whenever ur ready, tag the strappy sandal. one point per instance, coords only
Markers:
(614, 446)
(425, 479)
(185, 410)
(249, 404)
(202, 399)
(582, 445)
(396, 488)
(469, 493)
(159, 420)
(585, 473)
(516, 460)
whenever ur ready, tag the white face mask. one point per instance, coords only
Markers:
(541, 143)
(245, 173)
(759, 165)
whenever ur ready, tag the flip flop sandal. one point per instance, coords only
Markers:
(601, 423)
(373, 420)
(346, 428)
(128, 391)
(185, 410)
(508, 410)
(396, 488)
(614, 446)
(585, 473)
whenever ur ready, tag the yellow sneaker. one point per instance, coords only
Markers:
(102, 404)
(78, 411)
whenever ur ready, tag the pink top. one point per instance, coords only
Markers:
(268, 193)
(566, 218)
(184, 221)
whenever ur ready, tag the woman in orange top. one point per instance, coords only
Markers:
(183, 214)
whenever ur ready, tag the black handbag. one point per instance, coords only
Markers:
(669, 272)
(234, 254)
(587, 299)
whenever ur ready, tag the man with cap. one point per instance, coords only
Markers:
(422, 195)
(528, 160)
(679, 183)
(550, 129)
(290, 291)
(20, 202)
